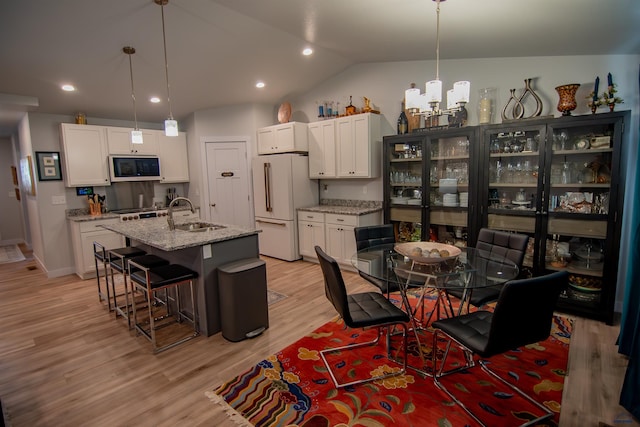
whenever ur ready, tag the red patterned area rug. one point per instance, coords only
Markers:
(293, 388)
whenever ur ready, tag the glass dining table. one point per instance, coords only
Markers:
(418, 277)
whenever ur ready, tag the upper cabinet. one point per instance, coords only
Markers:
(174, 163)
(358, 139)
(284, 138)
(119, 142)
(84, 153)
(86, 149)
(322, 149)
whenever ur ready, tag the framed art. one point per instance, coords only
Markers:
(48, 165)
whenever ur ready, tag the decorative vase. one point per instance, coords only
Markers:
(612, 106)
(567, 102)
(486, 103)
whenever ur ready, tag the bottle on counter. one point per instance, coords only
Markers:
(403, 122)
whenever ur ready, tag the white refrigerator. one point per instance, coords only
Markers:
(281, 185)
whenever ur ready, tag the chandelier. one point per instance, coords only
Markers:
(428, 104)
(136, 134)
(170, 125)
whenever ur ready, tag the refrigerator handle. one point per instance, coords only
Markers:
(267, 187)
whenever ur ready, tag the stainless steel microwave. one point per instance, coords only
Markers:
(134, 168)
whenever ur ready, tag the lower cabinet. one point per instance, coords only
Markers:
(333, 233)
(83, 234)
(310, 233)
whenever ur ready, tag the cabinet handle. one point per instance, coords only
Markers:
(340, 220)
(213, 205)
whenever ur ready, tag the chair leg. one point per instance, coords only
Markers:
(367, 344)
(470, 363)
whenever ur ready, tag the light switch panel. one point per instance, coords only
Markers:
(58, 200)
(206, 251)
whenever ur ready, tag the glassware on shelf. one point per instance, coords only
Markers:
(566, 173)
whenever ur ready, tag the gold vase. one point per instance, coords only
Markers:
(567, 102)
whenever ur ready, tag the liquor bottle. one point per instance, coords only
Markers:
(403, 122)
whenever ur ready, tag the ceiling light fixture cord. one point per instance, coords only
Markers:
(166, 63)
(130, 51)
(437, 39)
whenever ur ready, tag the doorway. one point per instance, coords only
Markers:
(229, 200)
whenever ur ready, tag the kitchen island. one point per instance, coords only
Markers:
(203, 251)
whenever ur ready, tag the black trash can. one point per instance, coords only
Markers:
(243, 299)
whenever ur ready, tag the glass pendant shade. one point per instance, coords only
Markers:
(462, 90)
(136, 137)
(434, 91)
(412, 99)
(170, 127)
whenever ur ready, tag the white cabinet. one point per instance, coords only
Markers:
(83, 234)
(84, 154)
(322, 149)
(284, 138)
(119, 142)
(174, 162)
(339, 240)
(359, 143)
(310, 233)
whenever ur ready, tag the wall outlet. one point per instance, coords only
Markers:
(58, 200)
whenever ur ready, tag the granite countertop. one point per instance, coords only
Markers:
(155, 232)
(345, 207)
(82, 214)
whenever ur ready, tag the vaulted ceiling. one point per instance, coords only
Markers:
(218, 49)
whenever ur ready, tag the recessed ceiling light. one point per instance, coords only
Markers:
(154, 99)
(308, 51)
(260, 85)
(68, 88)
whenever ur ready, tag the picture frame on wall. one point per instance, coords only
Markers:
(48, 165)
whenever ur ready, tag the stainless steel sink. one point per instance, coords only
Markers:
(199, 226)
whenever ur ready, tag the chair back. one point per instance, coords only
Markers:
(524, 312)
(509, 245)
(373, 235)
(334, 287)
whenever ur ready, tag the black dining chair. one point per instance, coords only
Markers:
(360, 310)
(510, 246)
(523, 315)
(373, 235)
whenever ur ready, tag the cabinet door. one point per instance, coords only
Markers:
(404, 193)
(344, 141)
(322, 149)
(84, 152)
(108, 239)
(358, 141)
(119, 141)
(310, 235)
(266, 141)
(174, 161)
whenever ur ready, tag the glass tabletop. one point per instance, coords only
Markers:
(471, 268)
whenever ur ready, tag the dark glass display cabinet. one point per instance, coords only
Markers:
(558, 180)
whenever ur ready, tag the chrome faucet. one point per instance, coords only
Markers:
(172, 225)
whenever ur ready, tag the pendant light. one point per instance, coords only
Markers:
(428, 103)
(136, 134)
(170, 125)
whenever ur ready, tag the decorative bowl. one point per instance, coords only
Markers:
(419, 251)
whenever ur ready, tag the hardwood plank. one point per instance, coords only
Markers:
(64, 360)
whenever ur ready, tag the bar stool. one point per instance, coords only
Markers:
(148, 261)
(152, 280)
(117, 261)
(100, 256)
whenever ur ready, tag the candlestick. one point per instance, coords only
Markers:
(595, 89)
(609, 80)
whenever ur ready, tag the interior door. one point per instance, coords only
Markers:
(228, 178)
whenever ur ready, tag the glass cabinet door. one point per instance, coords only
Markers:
(581, 161)
(514, 175)
(450, 191)
(403, 185)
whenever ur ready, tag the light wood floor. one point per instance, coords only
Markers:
(64, 361)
